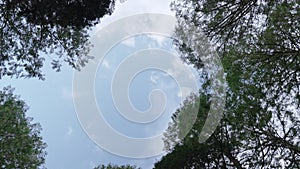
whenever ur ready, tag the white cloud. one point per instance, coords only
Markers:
(159, 39)
(185, 91)
(130, 42)
(154, 77)
(159, 79)
(180, 70)
(106, 64)
(70, 131)
(132, 7)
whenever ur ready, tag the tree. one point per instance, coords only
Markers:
(188, 153)
(110, 166)
(30, 28)
(234, 144)
(64, 13)
(21, 145)
(259, 48)
(260, 35)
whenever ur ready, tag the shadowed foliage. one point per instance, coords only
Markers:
(33, 30)
(258, 43)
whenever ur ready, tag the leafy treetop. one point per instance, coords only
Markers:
(31, 30)
(21, 145)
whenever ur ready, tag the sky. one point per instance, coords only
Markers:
(51, 101)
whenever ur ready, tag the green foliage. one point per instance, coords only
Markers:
(184, 153)
(64, 12)
(111, 166)
(258, 42)
(260, 35)
(190, 116)
(31, 30)
(21, 145)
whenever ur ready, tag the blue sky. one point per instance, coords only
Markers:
(51, 101)
(139, 89)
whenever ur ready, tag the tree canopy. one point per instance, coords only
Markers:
(260, 35)
(258, 44)
(32, 31)
(21, 145)
(57, 29)
(64, 13)
(111, 166)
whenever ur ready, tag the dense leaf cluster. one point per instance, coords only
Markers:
(31, 30)
(21, 145)
(78, 13)
(258, 43)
